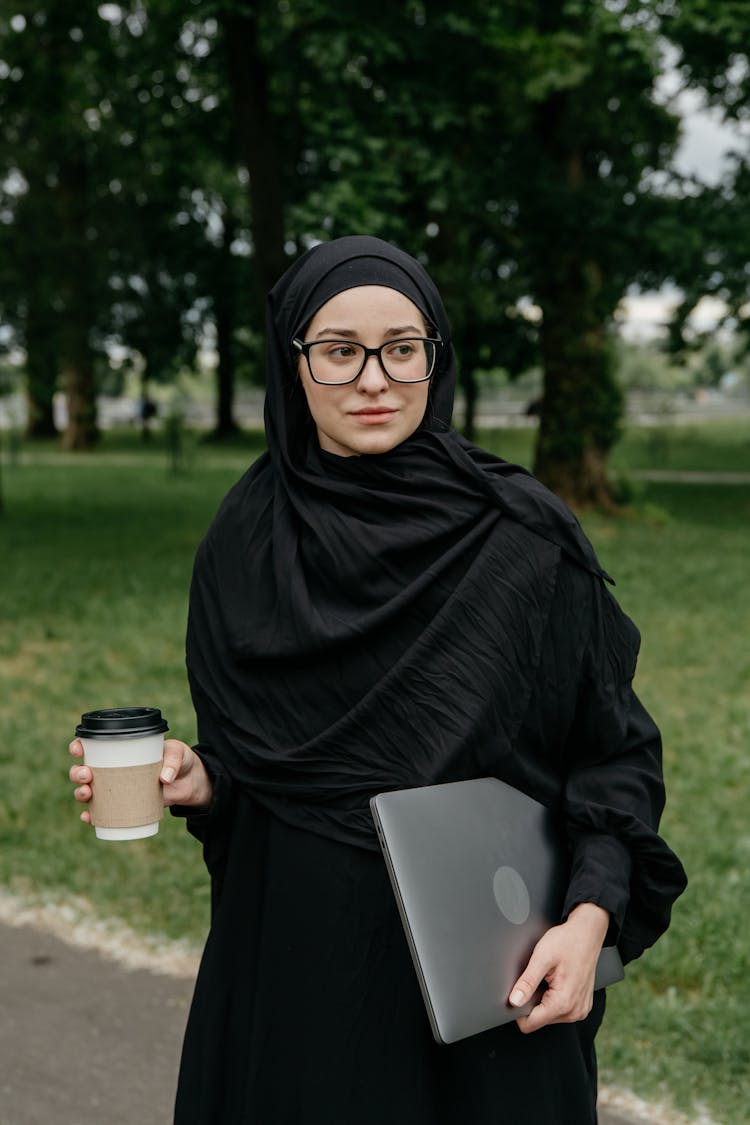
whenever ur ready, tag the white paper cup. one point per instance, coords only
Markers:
(123, 747)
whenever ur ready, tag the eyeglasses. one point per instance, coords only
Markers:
(334, 362)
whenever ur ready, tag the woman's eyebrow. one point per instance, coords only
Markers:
(336, 332)
(405, 329)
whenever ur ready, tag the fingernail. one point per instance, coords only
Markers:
(168, 775)
(516, 997)
(82, 775)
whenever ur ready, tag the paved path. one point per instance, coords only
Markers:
(84, 1041)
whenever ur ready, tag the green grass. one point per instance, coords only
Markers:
(96, 555)
(719, 445)
(96, 566)
(681, 1025)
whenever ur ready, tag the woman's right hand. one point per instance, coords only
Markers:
(183, 777)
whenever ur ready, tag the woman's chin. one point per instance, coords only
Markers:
(364, 442)
(379, 443)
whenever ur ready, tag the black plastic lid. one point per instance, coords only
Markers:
(121, 722)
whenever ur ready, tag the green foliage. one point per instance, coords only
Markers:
(123, 177)
(711, 256)
(521, 151)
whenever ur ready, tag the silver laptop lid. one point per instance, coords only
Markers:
(479, 874)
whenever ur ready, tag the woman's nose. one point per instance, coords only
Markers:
(372, 379)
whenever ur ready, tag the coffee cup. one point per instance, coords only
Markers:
(123, 748)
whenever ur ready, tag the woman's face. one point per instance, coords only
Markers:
(372, 414)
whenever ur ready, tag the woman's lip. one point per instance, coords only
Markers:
(374, 417)
(369, 410)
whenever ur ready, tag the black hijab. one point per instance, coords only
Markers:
(366, 623)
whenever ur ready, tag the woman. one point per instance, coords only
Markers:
(377, 605)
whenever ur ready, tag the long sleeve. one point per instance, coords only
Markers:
(212, 826)
(614, 791)
(202, 822)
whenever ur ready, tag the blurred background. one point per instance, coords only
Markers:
(575, 175)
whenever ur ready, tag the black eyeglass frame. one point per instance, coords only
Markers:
(304, 349)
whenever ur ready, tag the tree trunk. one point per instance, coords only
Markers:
(225, 379)
(144, 404)
(78, 381)
(77, 360)
(258, 137)
(224, 305)
(582, 403)
(469, 361)
(471, 398)
(40, 393)
(37, 271)
(41, 372)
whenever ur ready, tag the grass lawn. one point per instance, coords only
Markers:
(96, 554)
(721, 445)
(682, 1023)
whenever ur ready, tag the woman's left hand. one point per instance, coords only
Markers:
(565, 957)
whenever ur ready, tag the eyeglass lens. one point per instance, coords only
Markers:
(339, 361)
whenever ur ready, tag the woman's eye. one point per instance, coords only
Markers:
(404, 349)
(341, 351)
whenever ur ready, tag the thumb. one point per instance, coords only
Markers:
(529, 980)
(172, 760)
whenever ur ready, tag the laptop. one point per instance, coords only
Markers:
(479, 873)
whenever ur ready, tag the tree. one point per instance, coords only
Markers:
(569, 133)
(519, 149)
(187, 259)
(511, 146)
(259, 128)
(110, 124)
(29, 299)
(712, 255)
(57, 60)
(378, 143)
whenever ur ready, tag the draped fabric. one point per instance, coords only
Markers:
(367, 623)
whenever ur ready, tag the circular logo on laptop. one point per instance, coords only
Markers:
(511, 895)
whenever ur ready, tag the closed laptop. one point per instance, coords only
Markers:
(479, 872)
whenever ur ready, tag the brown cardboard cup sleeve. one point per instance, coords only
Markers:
(126, 796)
